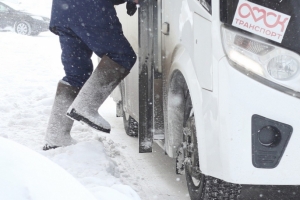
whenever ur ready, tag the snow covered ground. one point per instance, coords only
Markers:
(30, 69)
(107, 165)
(26, 174)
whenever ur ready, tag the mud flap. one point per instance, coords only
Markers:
(147, 12)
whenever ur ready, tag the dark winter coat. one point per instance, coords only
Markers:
(96, 13)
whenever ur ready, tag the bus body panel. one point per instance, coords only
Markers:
(224, 125)
(205, 106)
(129, 86)
(240, 98)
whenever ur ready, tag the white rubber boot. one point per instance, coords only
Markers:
(98, 87)
(59, 125)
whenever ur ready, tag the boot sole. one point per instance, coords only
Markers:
(46, 147)
(75, 116)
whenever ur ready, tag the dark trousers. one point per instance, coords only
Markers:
(78, 44)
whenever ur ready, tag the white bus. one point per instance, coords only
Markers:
(217, 86)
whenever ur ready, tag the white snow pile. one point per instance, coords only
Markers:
(30, 68)
(26, 174)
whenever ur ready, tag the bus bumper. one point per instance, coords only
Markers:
(241, 98)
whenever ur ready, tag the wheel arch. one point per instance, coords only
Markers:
(182, 78)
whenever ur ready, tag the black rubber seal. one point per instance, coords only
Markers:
(268, 156)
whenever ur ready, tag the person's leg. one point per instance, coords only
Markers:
(76, 58)
(59, 125)
(117, 60)
(111, 43)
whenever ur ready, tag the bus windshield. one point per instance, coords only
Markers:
(291, 8)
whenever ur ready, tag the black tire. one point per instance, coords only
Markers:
(130, 125)
(23, 28)
(200, 186)
(194, 178)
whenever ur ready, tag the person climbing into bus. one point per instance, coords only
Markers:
(85, 27)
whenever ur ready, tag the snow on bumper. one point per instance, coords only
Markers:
(240, 98)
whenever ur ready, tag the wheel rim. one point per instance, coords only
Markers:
(22, 28)
(191, 156)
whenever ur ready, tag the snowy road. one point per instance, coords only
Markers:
(29, 70)
(151, 175)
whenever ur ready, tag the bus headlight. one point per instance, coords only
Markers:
(269, 64)
(283, 67)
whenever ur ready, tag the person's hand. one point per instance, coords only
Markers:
(131, 7)
(118, 2)
(133, 1)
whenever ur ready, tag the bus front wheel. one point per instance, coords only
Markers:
(195, 179)
(200, 186)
